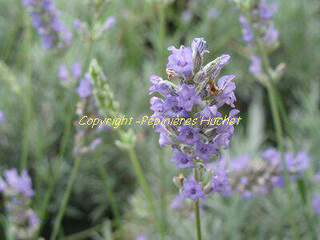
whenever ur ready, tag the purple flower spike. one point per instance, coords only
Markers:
(247, 33)
(180, 61)
(192, 190)
(194, 96)
(46, 22)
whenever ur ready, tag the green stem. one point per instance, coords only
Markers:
(273, 98)
(104, 175)
(163, 196)
(197, 210)
(162, 34)
(65, 199)
(26, 97)
(144, 185)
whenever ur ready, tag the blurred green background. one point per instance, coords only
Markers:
(40, 120)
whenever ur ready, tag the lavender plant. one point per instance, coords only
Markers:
(261, 38)
(45, 19)
(194, 91)
(17, 190)
(259, 176)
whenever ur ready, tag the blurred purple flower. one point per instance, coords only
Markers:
(76, 70)
(220, 183)
(297, 163)
(85, 87)
(316, 204)
(46, 22)
(247, 33)
(63, 73)
(110, 23)
(255, 66)
(14, 184)
(2, 118)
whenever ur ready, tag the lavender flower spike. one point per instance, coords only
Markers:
(17, 192)
(46, 22)
(196, 92)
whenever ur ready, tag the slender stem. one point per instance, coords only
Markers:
(65, 199)
(144, 185)
(104, 175)
(28, 106)
(197, 210)
(163, 196)
(273, 98)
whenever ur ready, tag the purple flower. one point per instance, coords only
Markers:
(297, 163)
(272, 156)
(187, 97)
(2, 118)
(63, 73)
(226, 87)
(141, 237)
(247, 33)
(13, 184)
(159, 86)
(180, 61)
(220, 183)
(177, 202)
(205, 151)
(156, 106)
(188, 135)
(255, 66)
(110, 23)
(316, 204)
(182, 160)
(239, 164)
(85, 87)
(266, 11)
(271, 36)
(46, 22)
(192, 189)
(278, 181)
(76, 70)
